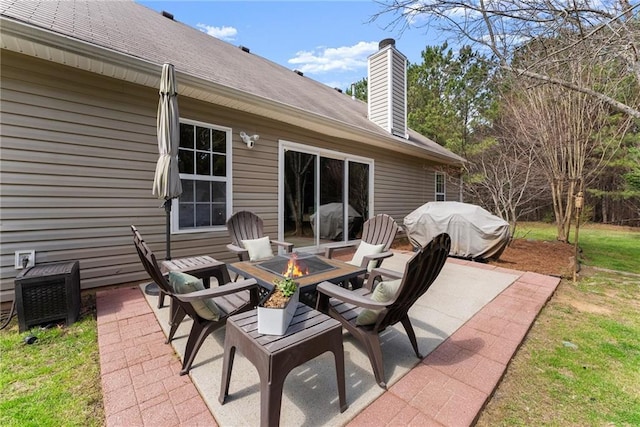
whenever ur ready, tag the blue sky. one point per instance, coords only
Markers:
(327, 40)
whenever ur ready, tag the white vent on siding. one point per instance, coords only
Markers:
(388, 88)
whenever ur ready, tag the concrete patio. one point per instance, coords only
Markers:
(468, 332)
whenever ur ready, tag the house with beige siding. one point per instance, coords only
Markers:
(79, 96)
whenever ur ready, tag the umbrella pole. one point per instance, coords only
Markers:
(152, 288)
(167, 210)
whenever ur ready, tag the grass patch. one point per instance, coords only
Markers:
(579, 363)
(614, 248)
(54, 381)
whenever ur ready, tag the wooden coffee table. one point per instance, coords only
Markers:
(309, 335)
(340, 272)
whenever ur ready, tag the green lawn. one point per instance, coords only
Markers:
(53, 382)
(614, 248)
(580, 363)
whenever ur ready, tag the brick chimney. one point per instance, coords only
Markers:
(388, 88)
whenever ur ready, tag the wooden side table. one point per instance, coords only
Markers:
(310, 334)
(202, 267)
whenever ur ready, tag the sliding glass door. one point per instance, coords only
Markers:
(325, 195)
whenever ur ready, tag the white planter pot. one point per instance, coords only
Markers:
(275, 321)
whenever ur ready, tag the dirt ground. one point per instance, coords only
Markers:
(551, 258)
(545, 257)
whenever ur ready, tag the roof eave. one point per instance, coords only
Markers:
(31, 40)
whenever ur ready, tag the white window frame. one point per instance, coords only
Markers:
(175, 219)
(443, 193)
(284, 145)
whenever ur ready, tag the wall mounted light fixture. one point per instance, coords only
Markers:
(249, 140)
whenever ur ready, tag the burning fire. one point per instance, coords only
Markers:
(295, 269)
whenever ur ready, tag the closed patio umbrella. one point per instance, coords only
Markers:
(166, 183)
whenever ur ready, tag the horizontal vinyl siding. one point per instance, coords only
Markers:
(75, 152)
(77, 159)
(401, 186)
(78, 156)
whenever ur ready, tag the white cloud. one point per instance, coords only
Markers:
(325, 59)
(224, 33)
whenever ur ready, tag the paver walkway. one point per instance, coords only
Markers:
(142, 386)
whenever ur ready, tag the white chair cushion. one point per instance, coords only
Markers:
(384, 292)
(183, 283)
(258, 248)
(363, 250)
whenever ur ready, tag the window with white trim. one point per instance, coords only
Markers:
(205, 172)
(441, 194)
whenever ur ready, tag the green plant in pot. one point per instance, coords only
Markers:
(284, 289)
(276, 313)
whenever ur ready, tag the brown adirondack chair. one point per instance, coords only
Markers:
(230, 298)
(245, 225)
(345, 305)
(379, 230)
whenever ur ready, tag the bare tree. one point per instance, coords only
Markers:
(567, 132)
(593, 33)
(504, 176)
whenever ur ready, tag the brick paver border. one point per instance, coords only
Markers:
(142, 387)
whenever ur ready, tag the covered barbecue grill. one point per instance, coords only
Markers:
(475, 233)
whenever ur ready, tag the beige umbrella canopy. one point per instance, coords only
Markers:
(166, 183)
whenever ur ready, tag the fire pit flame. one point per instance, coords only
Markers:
(294, 268)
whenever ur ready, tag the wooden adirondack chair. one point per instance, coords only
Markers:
(230, 298)
(379, 230)
(245, 225)
(345, 305)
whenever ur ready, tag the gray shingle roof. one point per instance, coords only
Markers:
(135, 30)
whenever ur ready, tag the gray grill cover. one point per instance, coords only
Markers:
(331, 219)
(475, 233)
